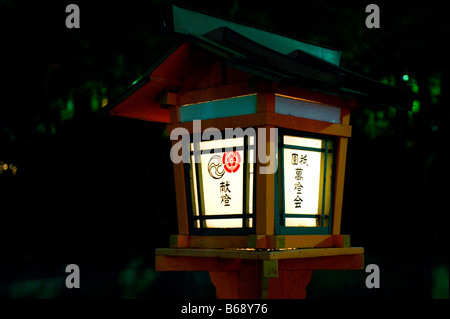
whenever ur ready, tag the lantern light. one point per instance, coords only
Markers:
(307, 180)
(221, 184)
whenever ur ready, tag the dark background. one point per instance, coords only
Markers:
(97, 191)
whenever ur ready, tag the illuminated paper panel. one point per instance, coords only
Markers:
(306, 191)
(224, 189)
(301, 185)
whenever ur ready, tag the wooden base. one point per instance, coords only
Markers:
(252, 274)
(260, 241)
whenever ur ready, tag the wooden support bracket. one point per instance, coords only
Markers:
(251, 274)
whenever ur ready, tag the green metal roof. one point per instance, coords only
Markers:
(299, 68)
(260, 53)
(196, 23)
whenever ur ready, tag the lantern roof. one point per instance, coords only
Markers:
(185, 21)
(257, 52)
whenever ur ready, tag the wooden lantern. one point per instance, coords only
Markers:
(250, 206)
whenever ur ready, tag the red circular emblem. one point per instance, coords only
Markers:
(231, 161)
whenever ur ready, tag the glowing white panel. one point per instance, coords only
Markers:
(220, 177)
(223, 189)
(302, 180)
(302, 141)
(307, 109)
